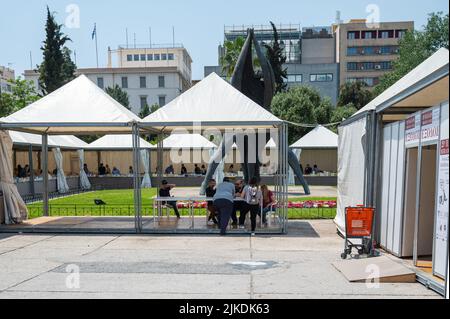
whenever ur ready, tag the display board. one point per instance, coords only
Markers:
(412, 130)
(442, 200)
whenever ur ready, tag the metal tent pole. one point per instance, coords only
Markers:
(136, 180)
(30, 162)
(45, 174)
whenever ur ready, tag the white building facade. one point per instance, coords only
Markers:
(149, 75)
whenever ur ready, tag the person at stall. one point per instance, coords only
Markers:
(316, 169)
(131, 170)
(210, 192)
(231, 169)
(197, 170)
(203, 170)
(101, 170)
(115, 171)
(27, 170)
(269, 202)
(169, 170)
(308, 170)
(107, 170)
(86, 169)
(223, 202)
(253, 198)
(183, 170)
(164, 191)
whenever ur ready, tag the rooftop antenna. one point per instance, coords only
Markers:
(135, 40)
(126, 32)
(31, 61)
(173, 36)
(75, 56)
(150, 36)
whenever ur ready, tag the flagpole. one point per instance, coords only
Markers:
(96, 44)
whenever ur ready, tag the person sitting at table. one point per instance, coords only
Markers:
(316, 169)
(101, 170)
(86, 169)
(308, 170)
(164, 191)
(223, 201)
(197, 170)
(210, 192)
(231, 169)
(169, 170)
(108, 170)
(183, 170)
(269, 202)
(115, 171)
(131, 170)
(203, 170)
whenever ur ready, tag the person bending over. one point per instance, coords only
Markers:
(164, 191)
(223, 201)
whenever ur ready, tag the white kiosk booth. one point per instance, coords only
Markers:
(399, 142)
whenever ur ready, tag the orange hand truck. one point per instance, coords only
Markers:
(358, 225)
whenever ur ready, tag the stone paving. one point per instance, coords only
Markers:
(298, 265)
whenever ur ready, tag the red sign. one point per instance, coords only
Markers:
(444, 147)
(427, 118)
(410, 123)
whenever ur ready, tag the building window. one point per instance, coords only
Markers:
(171, 56)
(294, 78)
(156, 57)
(400, 33)
(352, 51)
(352, 66)
(100, 83)
(124, 82)
(352, 35)
(163, 56)
(368, 81)
(143, 57)
(367, 66)
(324, 77)
(143, 82)
(143, 101)
(385, 65)
(136, 57)
(161, 81)
(161, 100)
(384, 34)
(149, 57)
(129, 58)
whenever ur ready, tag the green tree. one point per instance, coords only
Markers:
(69, 67)
(22, 94)
(119, 95)
(297, 105)
(342, 112)
(229, 59)
(355, 93)
(277, 59)
(324, 111)
(56, 68)
(415, 47)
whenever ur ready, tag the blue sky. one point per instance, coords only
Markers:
(198, 23)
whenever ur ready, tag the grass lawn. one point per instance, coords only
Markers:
(120, 203)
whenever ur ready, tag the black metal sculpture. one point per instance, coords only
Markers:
(260, 87)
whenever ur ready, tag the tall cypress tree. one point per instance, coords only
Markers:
(54, 71)
(277, 59)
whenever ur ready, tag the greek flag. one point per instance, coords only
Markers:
(94, 33)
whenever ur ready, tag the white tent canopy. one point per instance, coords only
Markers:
(212, 103)
(80, 106)
(63, 141)
(417, 76)
(184, 141)
(319, 137)
(117, 142)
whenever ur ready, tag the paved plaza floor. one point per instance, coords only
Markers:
(298, 265)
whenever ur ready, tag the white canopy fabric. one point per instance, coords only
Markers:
(117, 142)
(60, 176)
(319, 137)
(73, 107)
(14, 207)
(63, 141)
(435, 62)
(212, 103)
(146, 180)
(187, 141)
(84, 180)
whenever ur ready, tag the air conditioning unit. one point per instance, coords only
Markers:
(363, 52)
(396, 51)
(377, 67)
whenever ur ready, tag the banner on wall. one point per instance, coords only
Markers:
(430, 121)
(412, 130)
(442, 208)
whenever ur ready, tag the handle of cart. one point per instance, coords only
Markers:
(358, 226)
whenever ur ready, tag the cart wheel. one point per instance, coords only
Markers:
(344, 256)
(356, 256)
